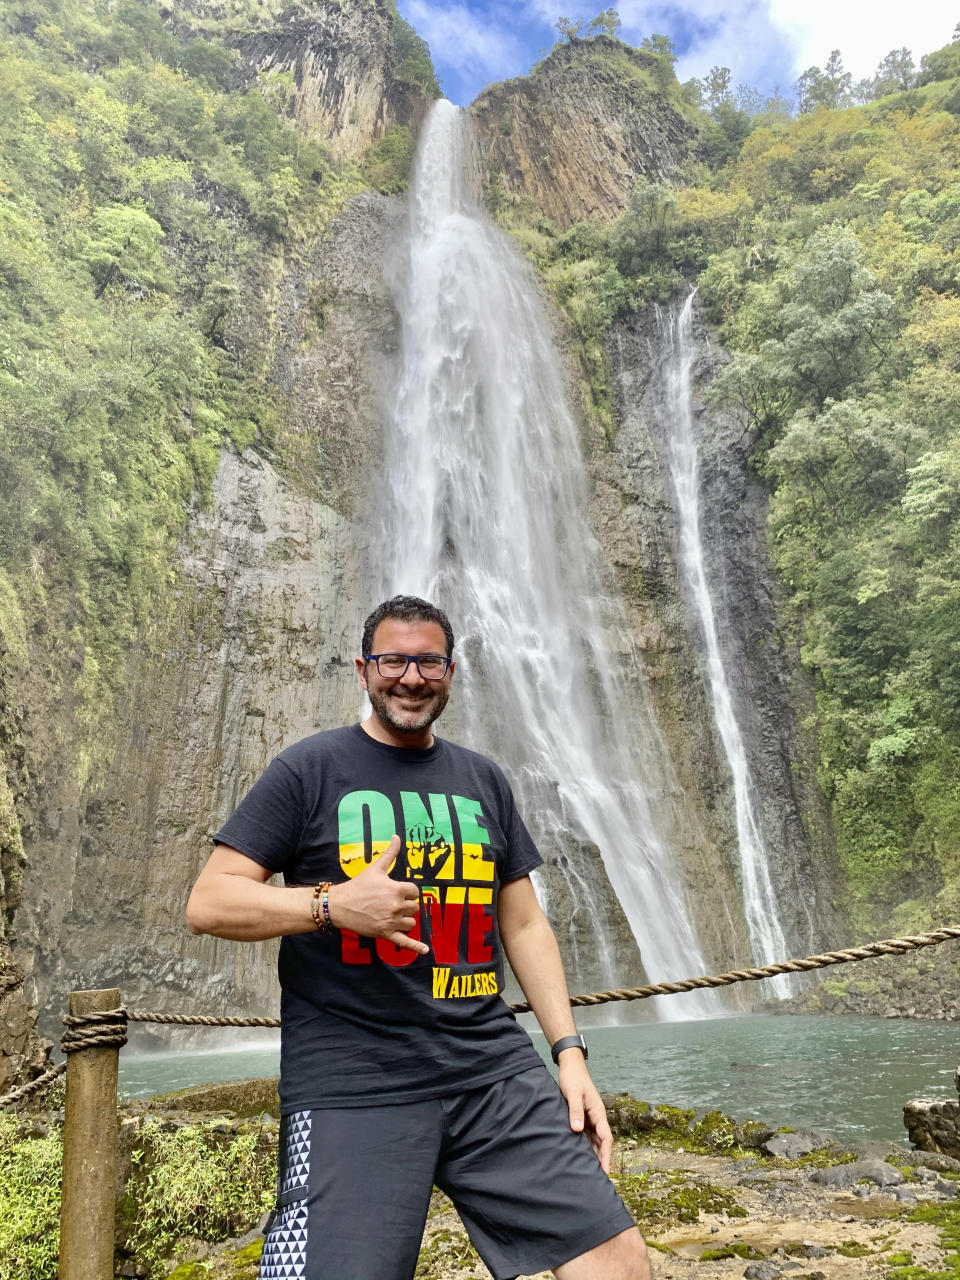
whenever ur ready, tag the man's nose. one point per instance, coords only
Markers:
(412, 675)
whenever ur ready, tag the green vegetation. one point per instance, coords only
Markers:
(736, 1249)
(449, 1252)
(145, 209)
(30, 1222)
(837, 295)
(188, 1184)
(661, 1199)
(193, 1184)
(412, 63)
(947, 1218)
(388, 162)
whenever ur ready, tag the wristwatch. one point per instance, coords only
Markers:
(568, 1042)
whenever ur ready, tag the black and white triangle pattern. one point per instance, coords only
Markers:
(284, 1254)
(295, 1152)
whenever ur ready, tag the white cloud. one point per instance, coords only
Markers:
(864, 31)
(471, 44)
(738, 34)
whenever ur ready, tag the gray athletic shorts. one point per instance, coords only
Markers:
(355, 1184)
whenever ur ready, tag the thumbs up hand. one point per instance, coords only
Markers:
(376, 906)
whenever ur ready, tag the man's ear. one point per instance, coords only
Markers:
(361, 671)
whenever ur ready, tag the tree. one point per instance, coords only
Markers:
(662, 46)
(569, 31)
(942, 64)
(606, 23)
(124, 246)
(895, 74)
(662, 49)
(642, 231)
(831, 87)
(716, 87)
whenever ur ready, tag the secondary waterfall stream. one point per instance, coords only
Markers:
(484, 510)
(758, 895)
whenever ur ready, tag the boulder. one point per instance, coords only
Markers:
(791, 1146)
(762, 1271)
(933, 1124)
(848, 1175)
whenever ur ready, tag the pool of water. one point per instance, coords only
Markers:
(850, 1076)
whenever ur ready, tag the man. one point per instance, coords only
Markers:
(406, 867)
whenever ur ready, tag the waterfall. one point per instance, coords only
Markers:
(758, 895)
(484, 511)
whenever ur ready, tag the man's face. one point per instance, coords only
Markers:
(407, 705)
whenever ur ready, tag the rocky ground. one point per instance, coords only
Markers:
(924, 984)
(793, 1226)
(718, 1199)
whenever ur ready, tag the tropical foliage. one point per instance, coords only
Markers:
(147, 202)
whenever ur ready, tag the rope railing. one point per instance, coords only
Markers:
(850, 955)
(108, 1029)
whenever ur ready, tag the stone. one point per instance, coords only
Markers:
(935, 1160)
(933, 1124)
(341, 57)
(762, 1271)
(848, 1175)
(813, 1250)
(791, 1146)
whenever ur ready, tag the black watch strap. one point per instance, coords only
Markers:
(568, 1042)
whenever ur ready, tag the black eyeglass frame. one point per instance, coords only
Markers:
(410, 657)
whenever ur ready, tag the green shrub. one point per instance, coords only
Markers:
(30, 1221)
(194, 1183)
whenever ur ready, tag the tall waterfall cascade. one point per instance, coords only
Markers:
(484, 510)
(760, 907)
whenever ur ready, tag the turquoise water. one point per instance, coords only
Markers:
(850, 1076)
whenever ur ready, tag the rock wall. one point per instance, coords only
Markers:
(637, 525)
(575, 136)
(23, 1054)
(270, 600)
(341, 60)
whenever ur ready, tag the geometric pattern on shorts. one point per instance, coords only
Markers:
(284, 1254)
(295, 1151)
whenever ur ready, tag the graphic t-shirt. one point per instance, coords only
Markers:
(364, 1021)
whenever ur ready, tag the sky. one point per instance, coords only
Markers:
(765, 43)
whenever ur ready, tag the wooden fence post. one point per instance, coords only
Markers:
(90, 1152)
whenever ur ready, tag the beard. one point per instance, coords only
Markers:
(390, 710)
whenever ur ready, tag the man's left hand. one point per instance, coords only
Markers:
(587, 1112)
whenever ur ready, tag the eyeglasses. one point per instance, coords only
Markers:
(393, 666)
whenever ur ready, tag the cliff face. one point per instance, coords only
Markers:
(637, 521)
(575, 136)
(22, 1052)
(342, 63)
(259, 654)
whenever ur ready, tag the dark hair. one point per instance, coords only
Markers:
(406, 609)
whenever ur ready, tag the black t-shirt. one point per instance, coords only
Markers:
(364, 1021)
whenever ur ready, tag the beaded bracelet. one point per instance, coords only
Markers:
(320, 907)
